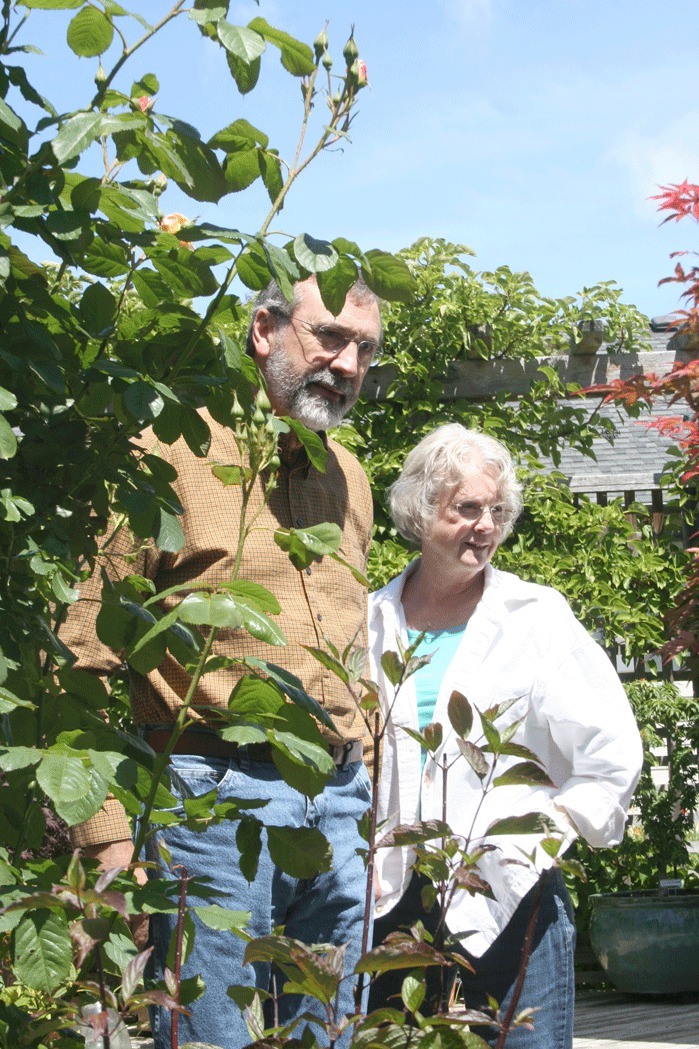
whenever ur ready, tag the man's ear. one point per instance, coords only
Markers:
(262, 332)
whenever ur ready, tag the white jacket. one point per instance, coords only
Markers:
(523, 643)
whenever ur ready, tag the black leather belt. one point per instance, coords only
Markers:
(209, 745)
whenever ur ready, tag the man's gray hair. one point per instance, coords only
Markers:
(272, 298)
(435, 468)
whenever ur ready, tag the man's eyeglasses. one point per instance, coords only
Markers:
(473, 512)
(334, 340)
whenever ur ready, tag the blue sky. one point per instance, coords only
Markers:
(531, 130)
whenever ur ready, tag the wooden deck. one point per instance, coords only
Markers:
(609, 1020)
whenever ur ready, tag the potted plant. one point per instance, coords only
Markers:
(644, 918)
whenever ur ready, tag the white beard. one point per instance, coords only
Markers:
(290, 392)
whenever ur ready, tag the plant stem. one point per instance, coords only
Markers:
(526, 953)
(181, 908)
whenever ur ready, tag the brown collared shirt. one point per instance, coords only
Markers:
(322, 601)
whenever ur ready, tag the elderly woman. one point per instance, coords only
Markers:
(497, 640)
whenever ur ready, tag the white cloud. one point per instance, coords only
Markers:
(471, 15)
(671, 155)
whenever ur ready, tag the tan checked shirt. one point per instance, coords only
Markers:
(323, 600)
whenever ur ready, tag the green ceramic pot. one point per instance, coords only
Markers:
(647, 943)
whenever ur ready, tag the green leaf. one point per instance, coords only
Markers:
(530, 823)
(312, 443)
(248, 838)
(524, 772)
(43, 954)
(404, 954)
(52, 5)
(388, 276)
(142, 401)
(106, 259)
(196, 433)
(19, 758)
(219, 610)
(9, 702)
(222, 918)
(460, 714)
(167, 531)
(78, 132)
(336, 282)
(76, 794)
(305, 545)
(97, 309)
(301, 852)
(90, 33)
(245, 74)
(392, 666)
(8, 441)
(474, 756)
(11, 126)
(293, 688)
(241, 41)
(231, 475)
(253, 269)
(241, 169)
(271, 170)
(416, 833)
(241, 134)
(297, 57)
(316, 256)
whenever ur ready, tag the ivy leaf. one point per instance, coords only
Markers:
(90, 33)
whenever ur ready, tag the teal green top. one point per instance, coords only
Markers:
(441, 645)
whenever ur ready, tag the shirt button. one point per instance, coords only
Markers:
(299, 522)
(308, 571)
(319, 617)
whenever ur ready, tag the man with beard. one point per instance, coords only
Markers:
(313, 364)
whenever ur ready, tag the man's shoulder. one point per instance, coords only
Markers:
(347, 461)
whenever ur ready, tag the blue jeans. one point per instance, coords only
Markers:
(549, 984)
(328, 908)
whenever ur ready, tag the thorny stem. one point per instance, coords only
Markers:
(103, 994)
(181, 908)
(526, 953)
(128, 51)
(372, 853)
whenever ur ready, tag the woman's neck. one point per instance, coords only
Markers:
(429, 604)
